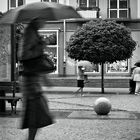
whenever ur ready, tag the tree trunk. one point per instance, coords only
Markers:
(102, 75)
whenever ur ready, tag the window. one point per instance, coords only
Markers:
(50, 1)
(95, 68)
(5, 53)
(51, 39)
(118, 67)
(15, 3)
(87, 3)
(118, 9)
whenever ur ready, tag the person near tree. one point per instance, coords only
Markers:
(80, 80)
(136, 78)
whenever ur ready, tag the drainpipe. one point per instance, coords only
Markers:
(64, 58)
(138, 4)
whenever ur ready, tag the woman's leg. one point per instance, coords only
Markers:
(81, 91)
(137, 89)
(82, 86)
(32, 133)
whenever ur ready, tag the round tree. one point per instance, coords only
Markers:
(101, 42)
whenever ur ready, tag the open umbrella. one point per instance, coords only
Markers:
(86, 64)
(43, 10)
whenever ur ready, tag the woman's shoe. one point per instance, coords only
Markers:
(136, 93)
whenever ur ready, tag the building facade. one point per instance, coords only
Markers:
(57, 33)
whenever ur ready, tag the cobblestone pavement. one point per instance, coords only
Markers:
(75, 119)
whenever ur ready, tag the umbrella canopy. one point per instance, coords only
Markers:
(86, 64)
(43, 10)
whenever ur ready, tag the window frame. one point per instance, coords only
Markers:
(94, 72)
(50, 1)
(87, 6)
(118, 9)
(9, 4)
(53, 46)
(111, 72)
(119, 72)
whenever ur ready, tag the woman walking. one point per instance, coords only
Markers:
(80, 80)
(36, 112)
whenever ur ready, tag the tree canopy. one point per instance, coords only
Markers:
(101, 41)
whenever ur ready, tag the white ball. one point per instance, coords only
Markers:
(102, 106)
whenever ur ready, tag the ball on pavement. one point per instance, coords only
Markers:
(102, 106)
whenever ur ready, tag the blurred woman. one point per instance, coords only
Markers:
(36, 113)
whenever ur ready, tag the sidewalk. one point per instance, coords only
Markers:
(75, 118)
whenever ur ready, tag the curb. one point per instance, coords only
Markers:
(68, 90)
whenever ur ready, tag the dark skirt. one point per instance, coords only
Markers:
(132, 85)
(80, 83)
(36, 113)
